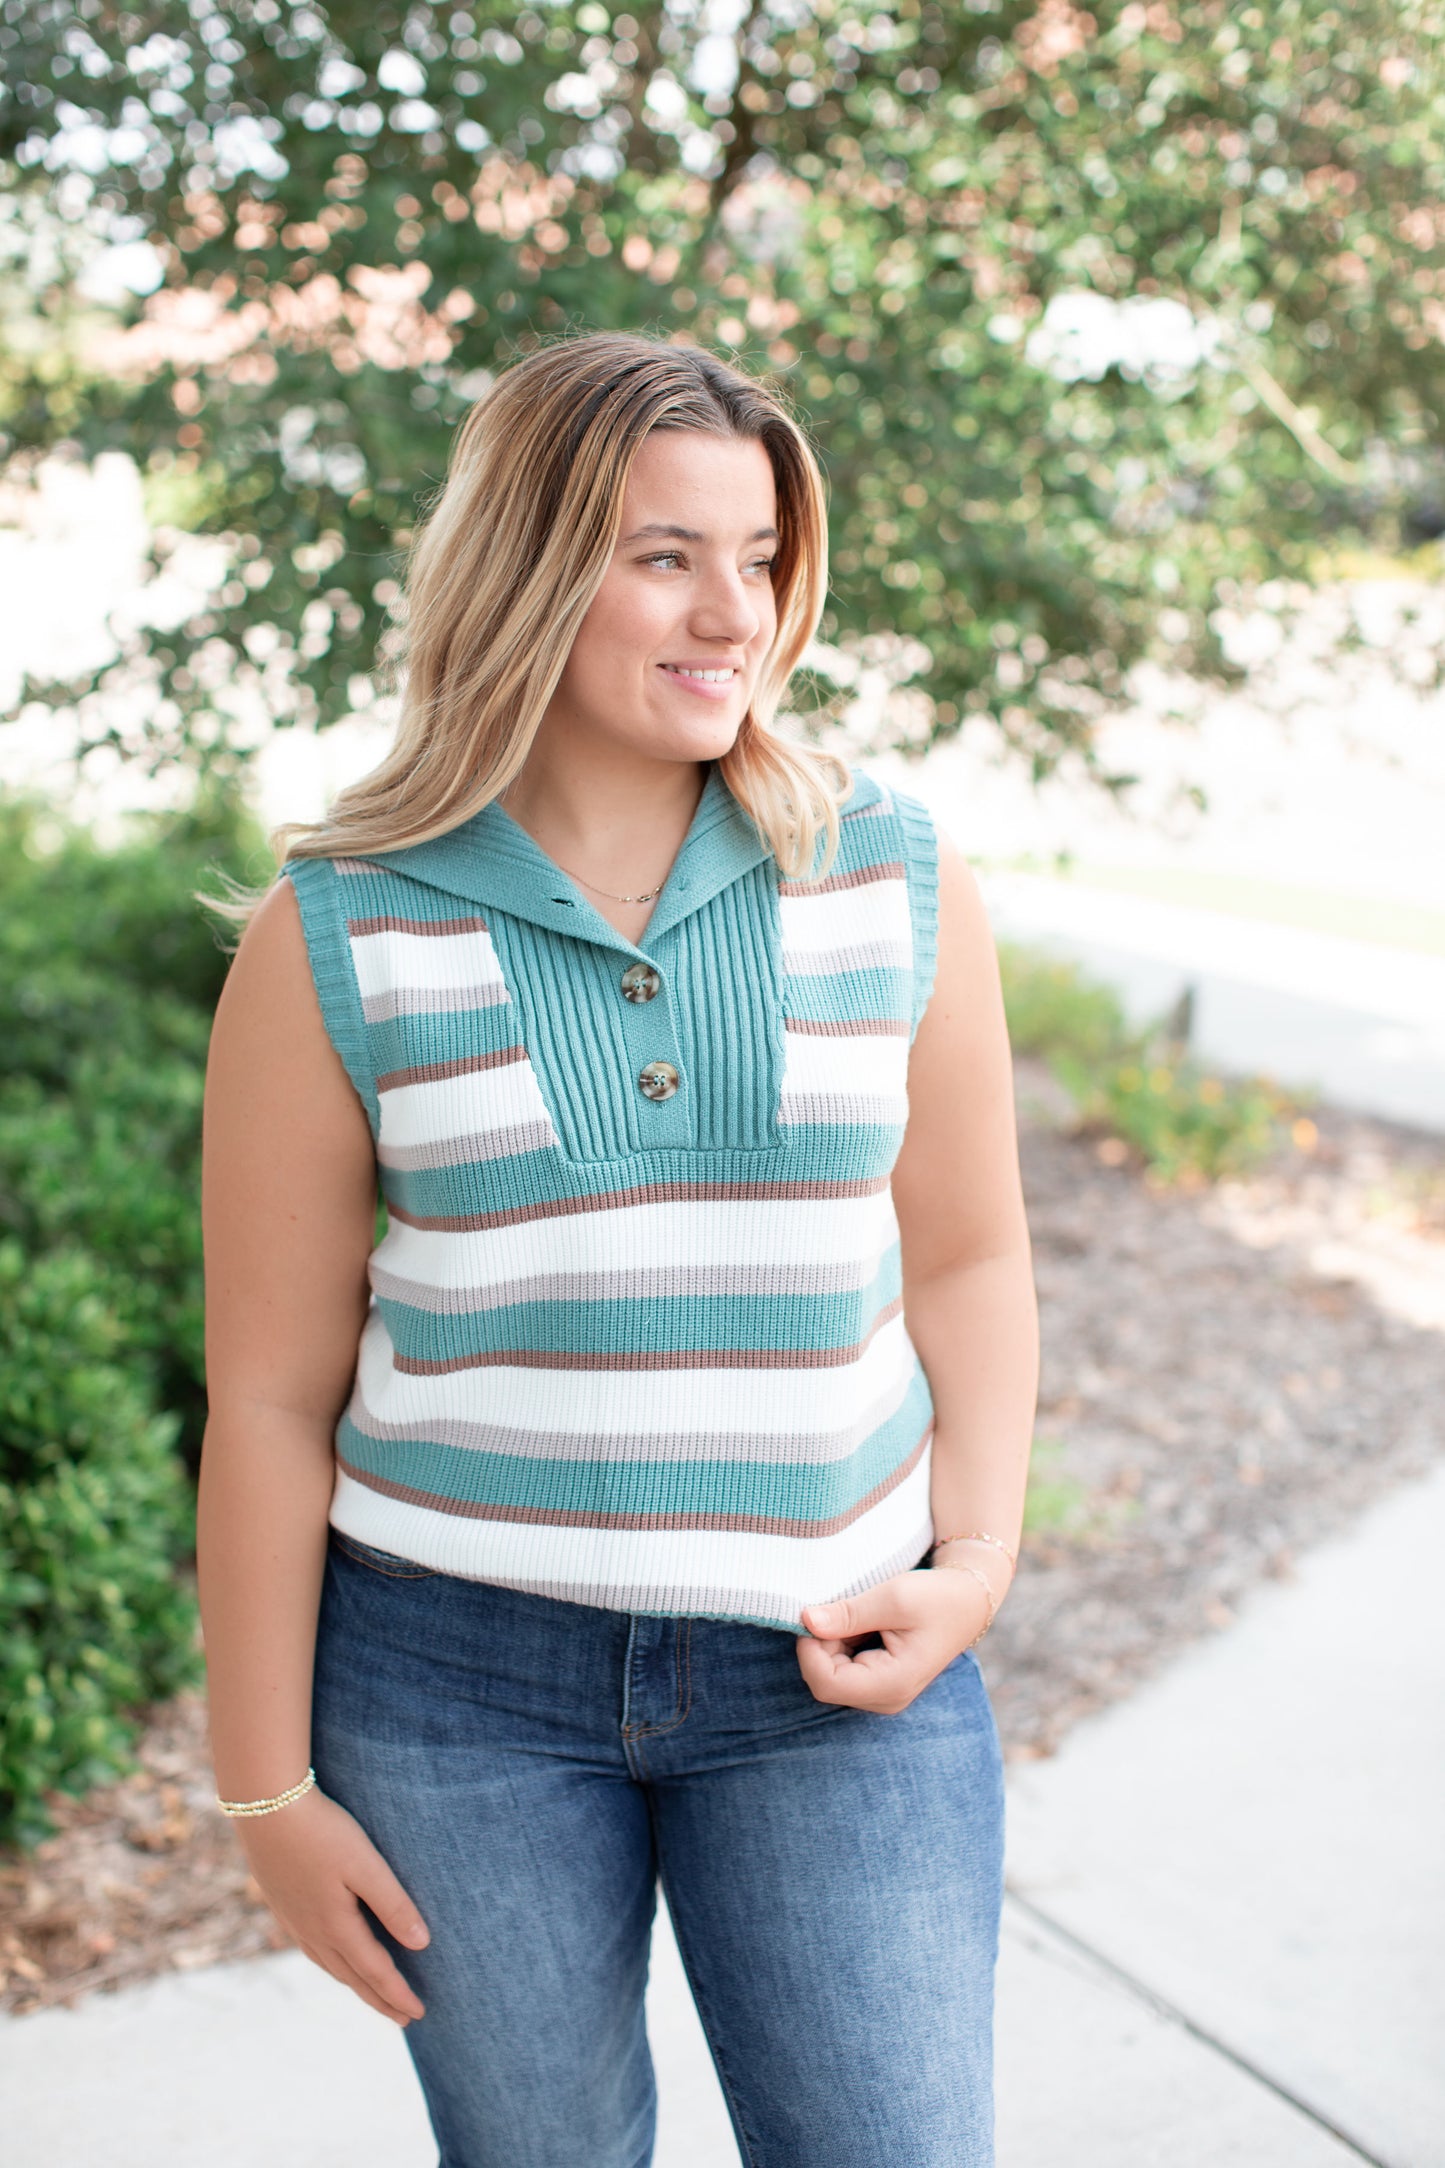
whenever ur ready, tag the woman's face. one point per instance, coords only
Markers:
(667, 658)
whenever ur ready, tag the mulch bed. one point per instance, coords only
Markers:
(1229, 1376)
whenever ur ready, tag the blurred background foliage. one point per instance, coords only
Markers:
(1102, 318)
(108, 980)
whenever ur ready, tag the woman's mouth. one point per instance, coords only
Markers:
(708, 680)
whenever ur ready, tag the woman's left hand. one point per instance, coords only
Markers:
(926, 1617)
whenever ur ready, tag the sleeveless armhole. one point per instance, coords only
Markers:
(333, 970)
(920, 855)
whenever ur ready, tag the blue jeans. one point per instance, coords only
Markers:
(529, 1767)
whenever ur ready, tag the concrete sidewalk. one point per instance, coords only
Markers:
(1221, 1945)
(1362, 1024)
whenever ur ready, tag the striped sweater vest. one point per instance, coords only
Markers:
(642, 1352)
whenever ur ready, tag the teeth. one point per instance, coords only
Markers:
(707, 677)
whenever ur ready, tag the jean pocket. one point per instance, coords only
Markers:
(386, 1563)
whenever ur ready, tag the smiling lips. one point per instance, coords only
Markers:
(705, 678)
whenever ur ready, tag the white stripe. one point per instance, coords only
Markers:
(463, 1106)
(869, 1063)
(843, 917)
(758, 1448)
(388, 960)
(792, 1231)
(596, 1402)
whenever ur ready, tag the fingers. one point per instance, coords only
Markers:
(398, 2002)
(875, 1679)
(373, 1881)
(886, 1605)
(377, 1973)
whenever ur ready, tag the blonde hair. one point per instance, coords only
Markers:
(505, 566)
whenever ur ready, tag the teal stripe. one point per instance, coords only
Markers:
(829, 997)
(772, 1324)
(811, 1152)
(709, 1488)
(413, 1042)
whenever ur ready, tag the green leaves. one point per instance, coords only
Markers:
(1062, 292)
(94, 1511)
(108, 977)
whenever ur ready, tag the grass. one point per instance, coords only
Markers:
(1139, 1090)
(1058, 1505)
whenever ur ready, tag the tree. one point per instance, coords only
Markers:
(919, 216)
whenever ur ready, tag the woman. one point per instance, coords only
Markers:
(586, 1528)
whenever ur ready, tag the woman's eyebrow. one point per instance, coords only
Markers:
(690, 534)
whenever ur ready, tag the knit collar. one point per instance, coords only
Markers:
(491, 859)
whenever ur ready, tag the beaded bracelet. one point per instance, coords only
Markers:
(266, 1806)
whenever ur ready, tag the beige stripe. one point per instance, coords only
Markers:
(621, 1283)
(611, 1200)
(862, 877)
(752, 1524)
(671, 1358)
(431, 1000)
(436, 1072)
(390, 922)
(854, 1027)
(468, 1151)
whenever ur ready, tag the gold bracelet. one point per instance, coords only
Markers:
(266, 1806)
(977, 1535)
(962, 1566)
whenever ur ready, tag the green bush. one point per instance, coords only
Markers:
(1138, 1088)
(109, 974)
(95, 1513)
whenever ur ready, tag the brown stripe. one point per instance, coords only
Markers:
(389, 922)
(671, 1358)
(863, 877)
(855, 1027)
(752, 1524)
(611, 1200)
(437, 1072)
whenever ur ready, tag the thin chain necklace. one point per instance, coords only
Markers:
(647, 898)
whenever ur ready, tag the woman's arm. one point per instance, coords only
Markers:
(289, 1207)
(972, 1314)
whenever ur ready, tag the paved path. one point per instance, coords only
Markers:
(1222, 1944)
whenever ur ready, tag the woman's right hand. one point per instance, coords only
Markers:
(313, 1861)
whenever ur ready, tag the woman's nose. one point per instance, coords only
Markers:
(725, 609)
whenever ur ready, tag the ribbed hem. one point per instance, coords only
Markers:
(329, 947)
(920, 845)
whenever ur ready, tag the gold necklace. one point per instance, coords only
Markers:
(647, 898)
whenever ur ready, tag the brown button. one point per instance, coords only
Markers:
(657, 1080)
(640, 982)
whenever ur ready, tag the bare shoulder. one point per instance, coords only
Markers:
(270, 971)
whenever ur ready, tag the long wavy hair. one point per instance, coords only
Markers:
(506, 564)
